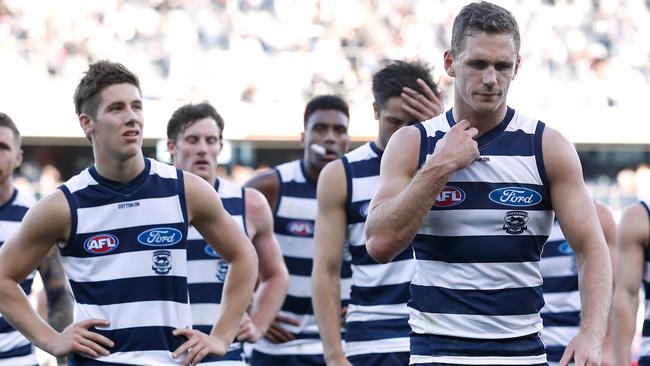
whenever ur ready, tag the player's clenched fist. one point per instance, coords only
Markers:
(457, 149)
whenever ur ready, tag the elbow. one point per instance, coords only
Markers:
(378, 250)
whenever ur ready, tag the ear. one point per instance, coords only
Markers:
(19, 157)
(375, 110)
(86, 124)
(517, 63)
(171, 146)
(449, 63)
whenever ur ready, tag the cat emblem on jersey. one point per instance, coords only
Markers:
(222, 270)
(162, 262)
(515, 222)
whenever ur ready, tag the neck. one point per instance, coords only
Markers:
(312, 172)
(483, 122)
(6, 190)
(380, 145)
(122, 171)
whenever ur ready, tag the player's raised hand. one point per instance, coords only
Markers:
(77, 338)
(458, 148)
(422, 106)
(198, 346)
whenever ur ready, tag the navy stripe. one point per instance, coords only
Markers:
(128, 240)
(563, 319)
(26, 285)
(97, 195)
(378, 329)
(17, 352)
(646, 329)
(510, 143)
(436, 345)
(513, 301)
(74, 219)
(299, 266)
(198, 250)
(348, 184)
(424, 144)
(142, 339)
(646, 289)
(5, 327)
(205, 293)
(181, 198)
(298, 305)
(478, 196)
(380, 359)
(262, 359)
(478, 249)
(365, 168)
(346, 270)
(14, 213)
(557, 248)
(357, 211)
(236, 354)
(360, 255)
(539, 156)
(78, 360)
(644, 361)
(560, 284)
(554, 353)
(298, 190)
(119, 291)
(380, 295)
(303, 228)
(233, 205)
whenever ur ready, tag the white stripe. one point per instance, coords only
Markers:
(297, 247)
(80, 181)
(193, 234)
(228, 189)
(488, 360)
(559, 302)
(556, 233)
(23, 199)
(484, 222)
(224, 363)
(357, 234)
(291, 171)
(522, 122)
(19, 361)
(559, 336)
(475, 326)
(297, 208)
(477, 276)
(392, 273)
(364, 188)
(500, 169)
(346, 288)
(363, 152)
(205, 314)
(389, 345)
(11, 340)
(359, 313)
(162, 170)
(560, 266)
(151, 211)
(131, 315)
(299, 286)
(438, 123)
(112, 267)
(158, 358)
(297, 347)
(8, 229)
(202, 271)
(644, 350)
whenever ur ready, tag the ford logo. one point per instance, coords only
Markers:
(449, 196)
(101, 243)
(160, 237)
(209, 250)
(515, 196)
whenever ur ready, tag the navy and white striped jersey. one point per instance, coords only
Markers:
(126, 260)
(207, 273)
(561, 312)
(477, 290)
(15, 349)
(377, 318)
(294, 230)
(644, 352)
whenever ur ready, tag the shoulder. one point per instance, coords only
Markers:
(267, 179)
(560, 156)
(255, 200)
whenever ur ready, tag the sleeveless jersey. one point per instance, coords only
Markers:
(477, 289)
(377, 318)
(126, 261)
(561, 312)
(207, 273)
(15, 349)
(294, 229)
(644, 352)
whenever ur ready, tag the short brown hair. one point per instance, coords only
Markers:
(483, 17)
(7, 122)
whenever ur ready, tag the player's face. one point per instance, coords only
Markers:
(391, 117)
(117, 130)
(10, 154)
(329, 129)
(483, 69)
(196, 149)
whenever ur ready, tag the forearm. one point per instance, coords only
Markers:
(327, 309)
(237, 294)
(625, 309)
(16, 309)
(595, 291)
(394, 222)
(268, 299)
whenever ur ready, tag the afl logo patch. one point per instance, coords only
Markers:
(160, 237)
(101, 243)
(301, 228)
(450, 196)
(515, 196)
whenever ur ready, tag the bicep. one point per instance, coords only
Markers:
(260, 223)
(632, 242)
